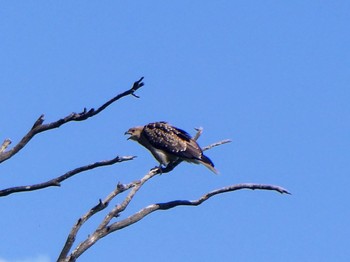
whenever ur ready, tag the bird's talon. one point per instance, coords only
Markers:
(157, 168)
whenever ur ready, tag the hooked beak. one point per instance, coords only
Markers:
(128, 133)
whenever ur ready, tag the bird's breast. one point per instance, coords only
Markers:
(162, 157)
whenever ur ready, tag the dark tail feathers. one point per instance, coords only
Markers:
(208, 163)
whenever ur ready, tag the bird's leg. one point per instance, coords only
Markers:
(171, 165)
(165, 168)
(160, 169)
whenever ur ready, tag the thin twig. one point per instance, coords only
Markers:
(5, 144)
(39, 127)
(174, 164)
(57, 181)
(217, 144)
(199, 132)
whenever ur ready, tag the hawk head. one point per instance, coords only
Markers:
(134, 132)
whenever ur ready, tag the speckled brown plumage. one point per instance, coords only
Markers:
(168, 143)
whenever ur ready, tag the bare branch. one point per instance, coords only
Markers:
(138, 84)
(106, 230)
(217, 144)
(107, 226)
(39, 127)
(99, 207)
(168, 205)
(56, 181)
(172, 204)
(93, 238)
(199, 132)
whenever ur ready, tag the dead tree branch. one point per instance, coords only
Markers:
(168, 205)
(99, 207)
(172, 204)
(57, 181)
(104, 229)
(107, 226)
(217, 144)
(93, 238)
(39, 127)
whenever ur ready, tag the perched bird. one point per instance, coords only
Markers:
(168, 144)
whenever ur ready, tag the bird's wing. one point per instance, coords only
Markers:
(171, 140)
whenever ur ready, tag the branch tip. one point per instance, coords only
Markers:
(91, 111)
(39, 121)
(136, 86)
(56, 183)
(285, 191)
(98, 207)
(135, 95)
(120, 186)
(225, 141)
(199, 132)
(5, 144)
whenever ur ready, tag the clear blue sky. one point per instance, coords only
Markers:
(271, 75)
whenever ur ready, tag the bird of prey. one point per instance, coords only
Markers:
(169, 144)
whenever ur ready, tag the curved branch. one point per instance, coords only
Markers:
(106, 230)
(56, 181)
(39, 127)
(168, 205)
(172, 204)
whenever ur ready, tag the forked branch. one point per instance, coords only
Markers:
(93, 238)
(107, 226)
(108, 229)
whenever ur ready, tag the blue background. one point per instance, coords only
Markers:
(273, 76)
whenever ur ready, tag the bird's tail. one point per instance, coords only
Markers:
(208, 163)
